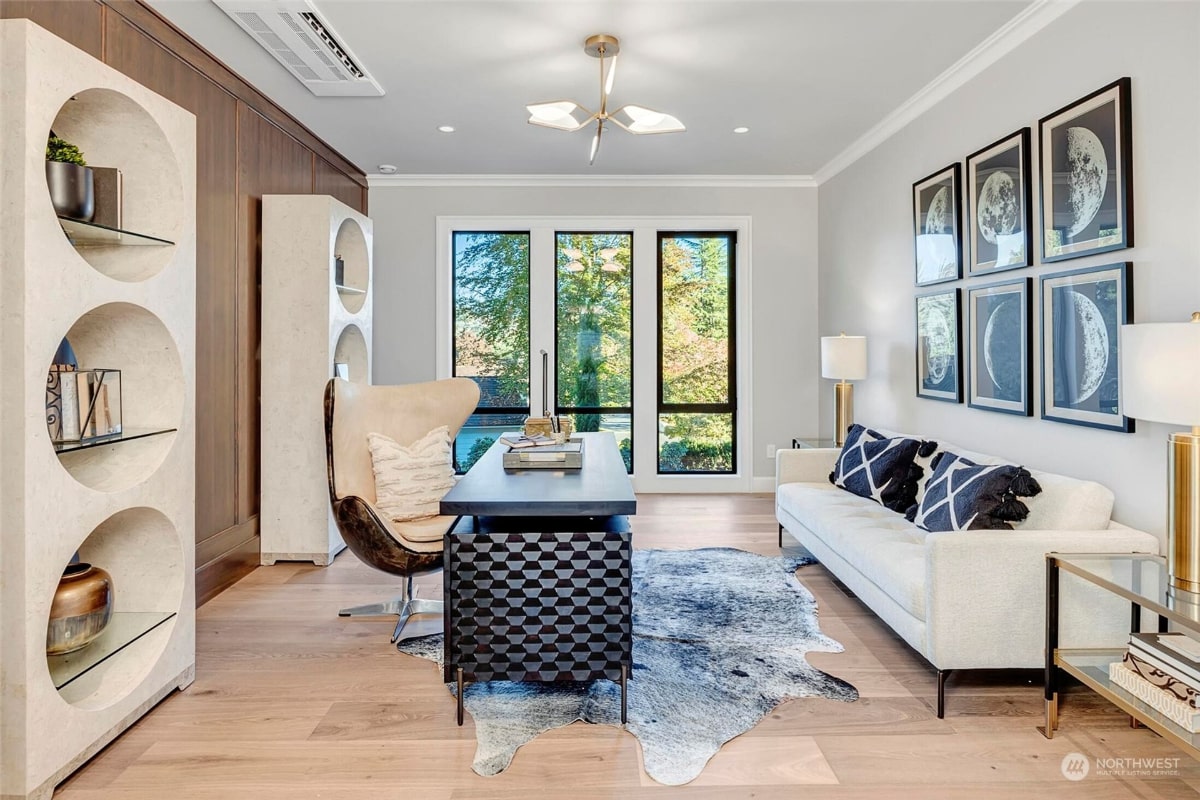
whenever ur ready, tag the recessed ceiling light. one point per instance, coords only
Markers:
(446, 128)
(387, 169)
(742, 129)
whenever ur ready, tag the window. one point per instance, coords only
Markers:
(593, 320)
(697, 396)
(491, 334)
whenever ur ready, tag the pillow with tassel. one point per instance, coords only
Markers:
(962, 495)
(882, 469)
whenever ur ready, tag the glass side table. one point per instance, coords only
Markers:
(814, 443)
(1142, 580)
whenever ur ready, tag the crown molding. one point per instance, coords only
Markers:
(377, 181)
(1036, 16)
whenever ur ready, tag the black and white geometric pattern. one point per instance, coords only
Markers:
(962, 495)
(879, 468)
(538, 606)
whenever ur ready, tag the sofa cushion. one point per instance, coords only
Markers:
(962, 495)
(878, 468)
(1065, 504)
(882, 545)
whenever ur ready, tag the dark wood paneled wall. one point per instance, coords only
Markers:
(246, 147)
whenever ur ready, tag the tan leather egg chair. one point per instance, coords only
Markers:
(405, 413)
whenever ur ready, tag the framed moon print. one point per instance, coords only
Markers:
(999, 353)
(999, 220)
(937, 208)
(939, 346)
(1082, 312)
(1086, 175)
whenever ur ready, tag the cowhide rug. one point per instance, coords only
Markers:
(719, 638)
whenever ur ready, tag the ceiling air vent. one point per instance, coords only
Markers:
(293, 32)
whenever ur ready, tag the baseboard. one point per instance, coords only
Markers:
(762, 485)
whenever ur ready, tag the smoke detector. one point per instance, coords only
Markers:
(299, 38)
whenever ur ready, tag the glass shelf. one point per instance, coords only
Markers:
(128, 435)
(125, 628)
(1091, 667)
(349, 290)
(91, 234)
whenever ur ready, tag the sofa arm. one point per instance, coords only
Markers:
(804, 465)
(985, 595)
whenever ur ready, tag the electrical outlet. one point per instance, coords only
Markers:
(770, 451)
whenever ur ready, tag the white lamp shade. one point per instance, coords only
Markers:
(1160, 372)
(844, 357)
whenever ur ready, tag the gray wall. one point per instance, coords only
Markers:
(866, 245)
(784, 280)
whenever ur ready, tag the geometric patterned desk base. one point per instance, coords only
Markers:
(538, 607)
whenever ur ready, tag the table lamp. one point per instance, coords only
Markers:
(1160, 382)
(843, 358)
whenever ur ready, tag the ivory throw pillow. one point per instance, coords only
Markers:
(411, 481)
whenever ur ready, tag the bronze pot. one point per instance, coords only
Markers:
(72, 190)
(81, 609)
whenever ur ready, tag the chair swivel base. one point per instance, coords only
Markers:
(404, 607)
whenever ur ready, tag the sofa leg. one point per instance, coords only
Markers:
(941, 700)
(781, 535)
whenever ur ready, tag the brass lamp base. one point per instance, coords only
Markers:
(843, 411)
(1183, 515)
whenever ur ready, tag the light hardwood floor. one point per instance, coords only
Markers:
(291, 702)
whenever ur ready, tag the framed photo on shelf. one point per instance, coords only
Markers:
(939, 346)
(1082, 312)
(999, 219)
(1000, 352)
(1086, 175)
(937, 209)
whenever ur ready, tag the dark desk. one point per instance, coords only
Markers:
(538, 572)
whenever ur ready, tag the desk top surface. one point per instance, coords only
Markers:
(601, 488)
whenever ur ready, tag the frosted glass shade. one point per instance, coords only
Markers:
(844, 357)
(1160, 372)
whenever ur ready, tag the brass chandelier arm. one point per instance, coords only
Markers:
(644, 120)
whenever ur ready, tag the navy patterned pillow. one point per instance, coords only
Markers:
(871, 465)
(962, 495)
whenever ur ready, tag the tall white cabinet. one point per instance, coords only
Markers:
(126, 301)
(311, 323)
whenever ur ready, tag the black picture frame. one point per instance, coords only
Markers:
(939, 345)
(1081, 381)
(937, 226)
(1000, 205)
(1087, 206)
(1000, 349)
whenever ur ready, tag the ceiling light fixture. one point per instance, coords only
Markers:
(567, 115)
(387, 169)
(741, 129)
(446, 128)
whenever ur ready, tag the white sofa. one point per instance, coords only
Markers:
(965, 599)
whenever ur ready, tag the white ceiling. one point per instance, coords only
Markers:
(808, 77)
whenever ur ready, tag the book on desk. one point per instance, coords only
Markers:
(568, 455)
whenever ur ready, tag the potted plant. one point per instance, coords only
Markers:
(72, 186)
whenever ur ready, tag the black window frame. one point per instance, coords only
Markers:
(730, 407)
(489, 410)
(598, 410)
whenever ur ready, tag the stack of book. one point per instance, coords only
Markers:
(1163, 670)
(522, 442)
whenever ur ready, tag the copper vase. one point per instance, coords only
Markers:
(81, 609)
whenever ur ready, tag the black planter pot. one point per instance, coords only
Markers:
(72, 190)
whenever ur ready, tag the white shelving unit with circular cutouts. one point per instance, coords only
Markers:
(310, 323)
(125, 503)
